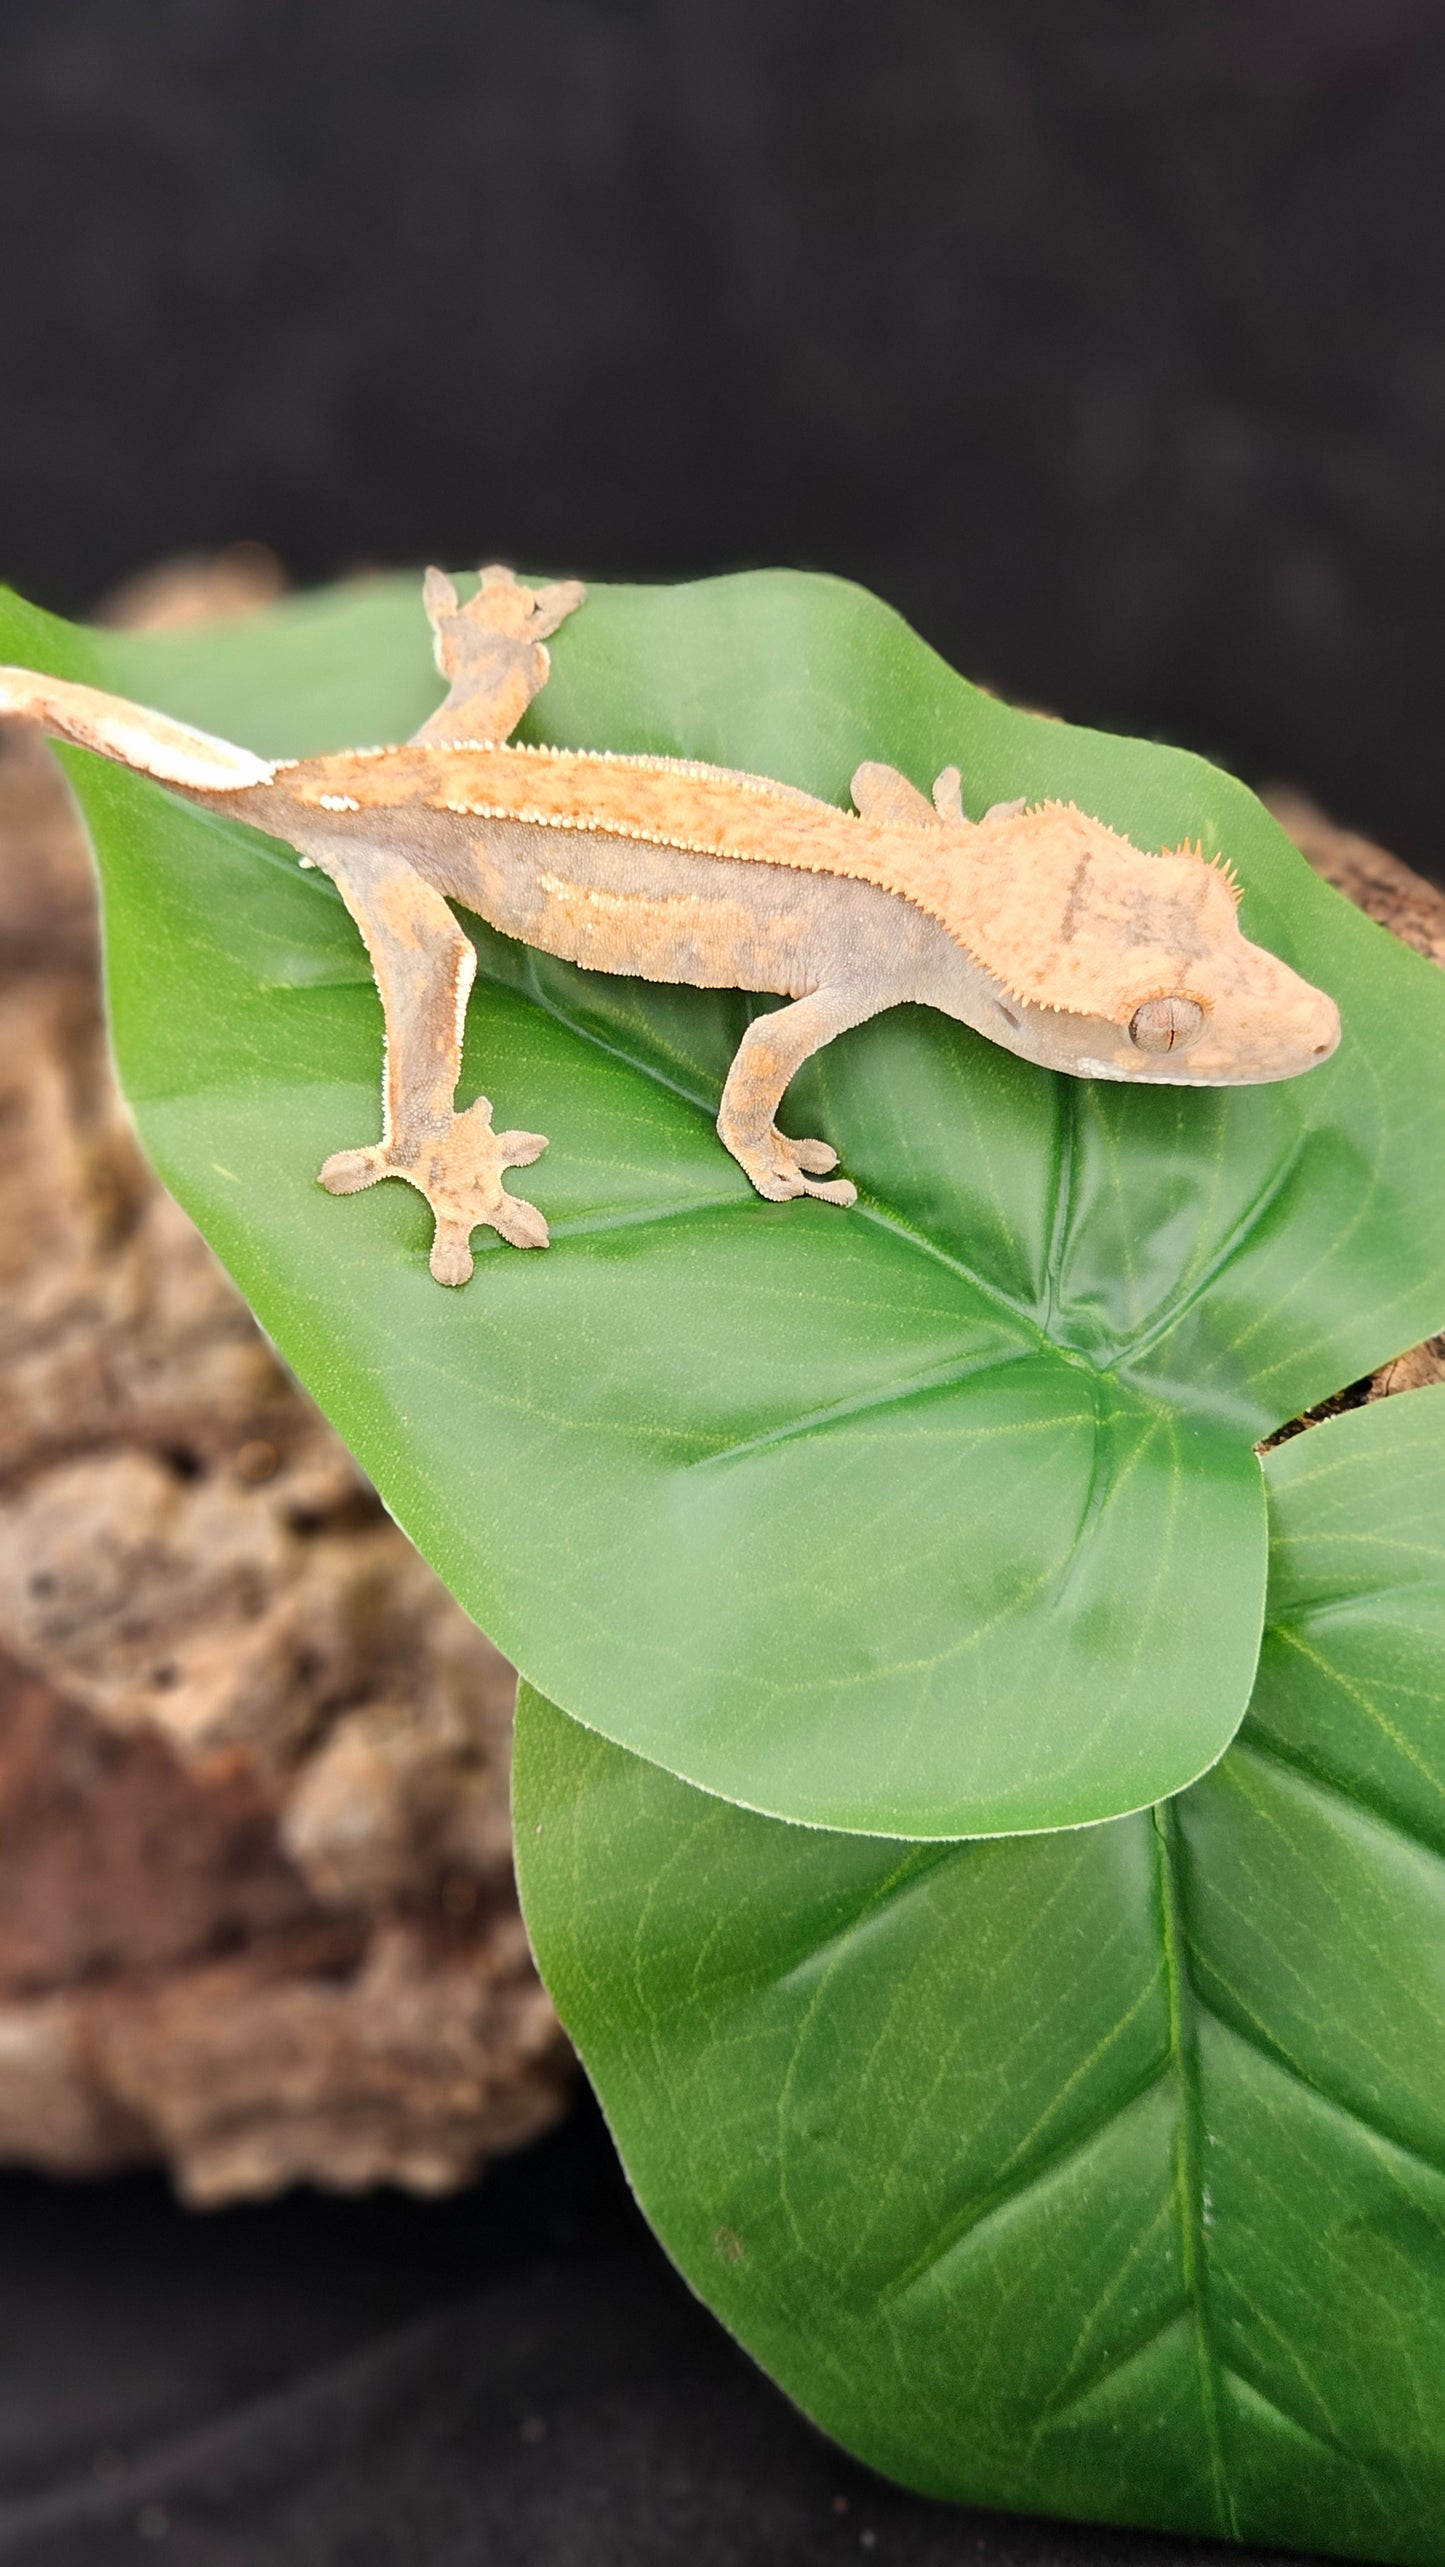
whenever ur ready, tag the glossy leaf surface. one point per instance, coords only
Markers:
(1098, 2174)
(936, 1517)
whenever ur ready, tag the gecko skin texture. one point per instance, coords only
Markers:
(1040, 927)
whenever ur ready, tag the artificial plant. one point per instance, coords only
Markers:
(836, 1541)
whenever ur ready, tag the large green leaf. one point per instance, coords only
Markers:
(1098, 2174)
(940, 1516)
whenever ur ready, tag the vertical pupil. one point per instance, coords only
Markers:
(1162, 1023)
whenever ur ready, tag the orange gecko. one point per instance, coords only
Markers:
(1040, 927)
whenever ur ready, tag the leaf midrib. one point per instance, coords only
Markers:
(1189, 2153)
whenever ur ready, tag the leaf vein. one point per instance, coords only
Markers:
(1246, 2027)
(1189, 2154)
(1012, 2187)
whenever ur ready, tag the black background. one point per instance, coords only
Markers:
(511, 2379)
(1104, 341)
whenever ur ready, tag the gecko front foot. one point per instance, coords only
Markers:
(460, 1171)
(781, 1168)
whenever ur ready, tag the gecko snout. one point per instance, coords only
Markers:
(1272, 1025)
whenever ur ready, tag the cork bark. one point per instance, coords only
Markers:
(1414, 910)
(257, 1919)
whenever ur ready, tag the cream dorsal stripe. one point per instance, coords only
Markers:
(1052, 948)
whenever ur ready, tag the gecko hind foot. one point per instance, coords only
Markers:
(783, 1169)
(460, 1172)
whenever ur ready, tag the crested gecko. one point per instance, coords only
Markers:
(1039, 926)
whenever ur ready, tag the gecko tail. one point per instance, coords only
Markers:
(151, 743)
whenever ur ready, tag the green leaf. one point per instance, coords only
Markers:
(937, 1517)
(1098, 2174)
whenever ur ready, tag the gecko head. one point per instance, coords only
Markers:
(1208, 1008)
(1144, 974)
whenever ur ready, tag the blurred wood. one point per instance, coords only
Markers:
(193, 588)
(257, 1918)
(1377, 882)
(1414, 910)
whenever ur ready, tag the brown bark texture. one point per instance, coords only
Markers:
(257, 1919)
(1414, 910)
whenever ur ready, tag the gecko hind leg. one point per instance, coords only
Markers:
(424, 968)
(492, 651)
(773, 1048)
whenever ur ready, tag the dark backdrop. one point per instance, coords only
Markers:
(1106, 340)
(511, 2379)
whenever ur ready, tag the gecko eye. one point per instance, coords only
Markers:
(1165, 1024)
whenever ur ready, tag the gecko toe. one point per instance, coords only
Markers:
(804, 1165)
(519, 1222)
(347, 1171)
(782, 1169)
(451, 1255)
(519, 1149)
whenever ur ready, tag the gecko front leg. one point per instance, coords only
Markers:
(773, 1048)
(424, 968)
